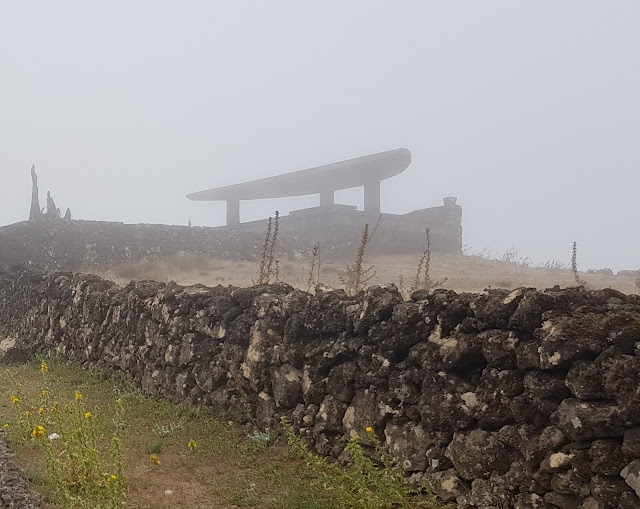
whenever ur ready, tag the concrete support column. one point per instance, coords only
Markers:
(327, 198)
(233, 212)
(372, 197)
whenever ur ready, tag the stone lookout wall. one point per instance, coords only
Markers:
(523, 400)
(57, 244)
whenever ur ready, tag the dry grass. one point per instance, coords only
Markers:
(464, 273)
(186, 270)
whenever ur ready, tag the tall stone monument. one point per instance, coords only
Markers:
(52, 210)
(35, 212)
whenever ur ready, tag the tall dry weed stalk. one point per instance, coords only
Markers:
(401, 287)
(574, 265)
(422, 280)
(358, 276)
(269, 266)
(314, 281)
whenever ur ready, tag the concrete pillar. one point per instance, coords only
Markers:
(372, 197)
(327, 198)
(233, 212)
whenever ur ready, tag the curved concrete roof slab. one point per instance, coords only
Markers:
(331, 177)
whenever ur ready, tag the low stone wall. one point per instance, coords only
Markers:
(524, 400)
(57, 244)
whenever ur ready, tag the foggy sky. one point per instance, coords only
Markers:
(528, 112)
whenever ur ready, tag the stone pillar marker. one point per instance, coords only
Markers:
(327, 198)
(35, 212)
(233, 212)
(372, 197)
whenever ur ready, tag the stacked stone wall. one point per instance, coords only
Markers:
(58, 244)
(522, 399)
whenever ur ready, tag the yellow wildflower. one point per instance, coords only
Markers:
(44, 368)
(45, 393)
(78, 396)
(41, 410)
(369, 429)
(5, 425)
(357, 437)
(192, 445)
(87, 415)
(27, 413)
(14, 399)
(154, 459)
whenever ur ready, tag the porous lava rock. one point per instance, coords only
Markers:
(521, 399)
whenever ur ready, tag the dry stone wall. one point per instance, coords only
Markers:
(58, 244)
(521, 399)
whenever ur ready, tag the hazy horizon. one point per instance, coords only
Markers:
(526, 112)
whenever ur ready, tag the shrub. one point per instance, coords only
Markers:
(80, 473)
(372, 480)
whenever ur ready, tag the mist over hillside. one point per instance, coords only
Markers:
(527, 113)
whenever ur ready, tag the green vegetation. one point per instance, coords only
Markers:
(372, 480)
(113, 442)
(81, 472)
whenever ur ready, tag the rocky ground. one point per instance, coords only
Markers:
(15, 491)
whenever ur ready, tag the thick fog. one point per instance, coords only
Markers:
(527, 112)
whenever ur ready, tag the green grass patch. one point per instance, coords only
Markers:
(115, 443)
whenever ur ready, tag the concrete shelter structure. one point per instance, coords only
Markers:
(367, 171)
(337, 225)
